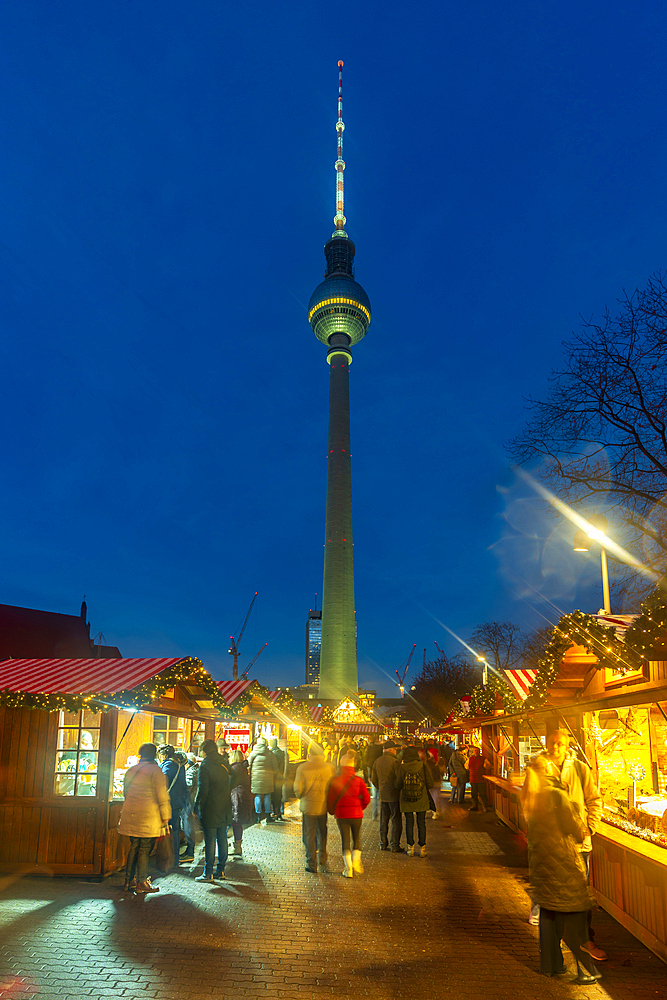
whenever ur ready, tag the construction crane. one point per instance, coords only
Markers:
(400, 684)
(438, 647)
(235, 642)
(245, 672)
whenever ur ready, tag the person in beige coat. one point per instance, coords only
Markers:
(145, 815)
(311, 784)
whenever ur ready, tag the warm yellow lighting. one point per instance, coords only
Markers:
(339, 301)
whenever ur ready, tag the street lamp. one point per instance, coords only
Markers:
(598, 530)
(485, 669)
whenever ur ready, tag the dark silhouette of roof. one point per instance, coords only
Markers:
(26, 633)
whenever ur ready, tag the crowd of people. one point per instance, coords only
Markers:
(185, 799)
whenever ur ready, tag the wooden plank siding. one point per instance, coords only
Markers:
(40, 831)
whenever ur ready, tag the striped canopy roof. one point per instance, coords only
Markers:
(357, 727)
(231, 690)
(521, 682)
(80, 676)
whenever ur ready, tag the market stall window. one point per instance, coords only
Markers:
(169, 729)
(77, 753)
(631, 755)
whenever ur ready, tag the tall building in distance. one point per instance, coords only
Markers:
(339, 314)
(313, 646)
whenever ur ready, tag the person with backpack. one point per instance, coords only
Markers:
(347, 799)
(413, 784)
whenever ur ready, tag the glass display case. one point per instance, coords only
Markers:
(630, 747)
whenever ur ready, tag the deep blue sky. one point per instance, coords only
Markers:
(167, 179)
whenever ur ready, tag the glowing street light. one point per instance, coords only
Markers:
(597, 530)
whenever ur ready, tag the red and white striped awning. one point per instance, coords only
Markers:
(80, 676)
(231, 690)
(273, 695)
(520, 681)
(316, 712)
(357, 727)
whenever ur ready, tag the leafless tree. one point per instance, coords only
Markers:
(441, 682)
(600, 435)
(501, 642)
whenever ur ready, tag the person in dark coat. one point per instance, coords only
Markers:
(174, 771)
(241, 798)
(384, 775)
(213, 805)
(279, 778)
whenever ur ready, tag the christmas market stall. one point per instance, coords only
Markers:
(69, 729)
(605, 683)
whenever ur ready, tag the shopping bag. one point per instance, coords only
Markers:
(122, 847)
(164, 853)
(192, 828)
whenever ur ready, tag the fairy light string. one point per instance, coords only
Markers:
(645, 639)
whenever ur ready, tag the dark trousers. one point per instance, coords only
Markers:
(572, 928)
(421, 827)
(176, 833)
(215, 835)
(238, 831)
(350, 833)
(478, 794)
(459, 793)
(137, 858)
(390, 810)
(277, 802)
(314, 836)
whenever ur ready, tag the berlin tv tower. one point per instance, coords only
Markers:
(339, 314)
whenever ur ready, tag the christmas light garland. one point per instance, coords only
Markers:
(647, 635)
(188, 670)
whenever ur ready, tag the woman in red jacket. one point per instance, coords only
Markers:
(348, 797)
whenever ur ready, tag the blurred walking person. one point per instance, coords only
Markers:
(263, 768)
(384, 775)
(311, 784)
(558, 882)
(347, 799)
(477, 767)
(458, 776)
(144, 817)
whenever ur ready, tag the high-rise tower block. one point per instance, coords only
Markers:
(339, 313)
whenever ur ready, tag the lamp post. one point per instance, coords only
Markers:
(598, 530)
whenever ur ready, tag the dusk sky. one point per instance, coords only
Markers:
(167, 178)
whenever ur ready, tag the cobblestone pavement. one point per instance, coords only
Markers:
(452, 924)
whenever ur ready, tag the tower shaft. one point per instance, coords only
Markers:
(338, 657)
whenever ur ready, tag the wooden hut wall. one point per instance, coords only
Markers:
(40, 831)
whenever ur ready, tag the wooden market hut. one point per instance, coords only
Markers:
(598, 705)
(68, 731)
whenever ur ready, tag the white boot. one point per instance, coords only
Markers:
(348, 871)
(238, 849)
(356, 862)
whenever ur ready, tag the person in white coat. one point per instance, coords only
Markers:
(145, 814)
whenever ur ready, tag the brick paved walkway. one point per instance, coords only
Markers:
(450, 925)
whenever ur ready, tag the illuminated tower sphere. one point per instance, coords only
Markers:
(339, 313)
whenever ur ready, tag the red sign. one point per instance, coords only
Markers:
(238, 739)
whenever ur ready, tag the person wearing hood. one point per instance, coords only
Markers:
(413, 784)
(173, 769)
(347, 799)
(263, 768)
(311, 784)
(213, 805)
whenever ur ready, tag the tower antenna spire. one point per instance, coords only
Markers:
(339, 218)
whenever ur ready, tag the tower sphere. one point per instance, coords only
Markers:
(339, 305)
